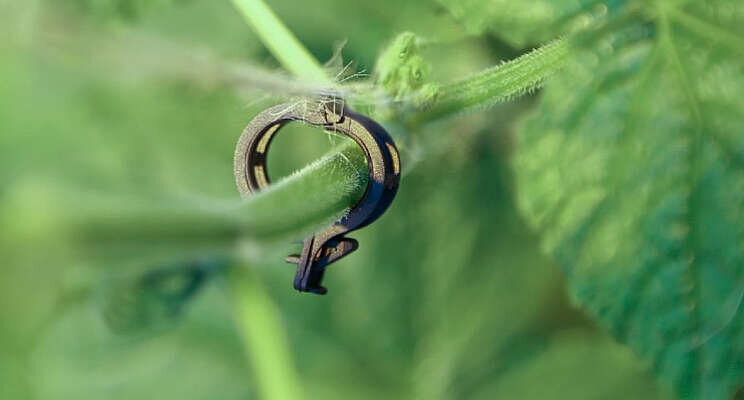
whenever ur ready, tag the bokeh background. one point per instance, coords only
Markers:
(118, 104)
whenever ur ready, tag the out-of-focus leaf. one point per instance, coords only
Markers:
(79, 357)
(633, 169)
(525, 22)
(578, 365)
(448, 291)
(154, 297)
(122, 9)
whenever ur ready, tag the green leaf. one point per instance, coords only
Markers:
(122, 9)
(155, 297)
(458, 297)
(571, 360)
(77, 356)
(523, 22)
(633, 169)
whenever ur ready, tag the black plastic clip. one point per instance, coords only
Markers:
(328, 245)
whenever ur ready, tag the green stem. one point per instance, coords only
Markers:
(262, 333)
(321, 190)
(498, 84)
(294, 206)
(280, 41)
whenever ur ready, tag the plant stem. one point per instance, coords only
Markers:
(263, 337)
(293, 206)
(321, 190)
(280, 41)
(498, 84)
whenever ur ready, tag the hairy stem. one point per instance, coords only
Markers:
(498, 84)
(295, 205)
(321, 190)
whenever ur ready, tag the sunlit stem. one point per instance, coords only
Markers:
(280, 41)
(262, 333)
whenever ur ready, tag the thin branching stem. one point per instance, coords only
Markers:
(498, 84)
(323, 189)
(281, 41)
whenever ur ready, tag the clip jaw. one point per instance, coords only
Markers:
(315, 257)
(383, 162)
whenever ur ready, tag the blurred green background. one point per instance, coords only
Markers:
(117, 104)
